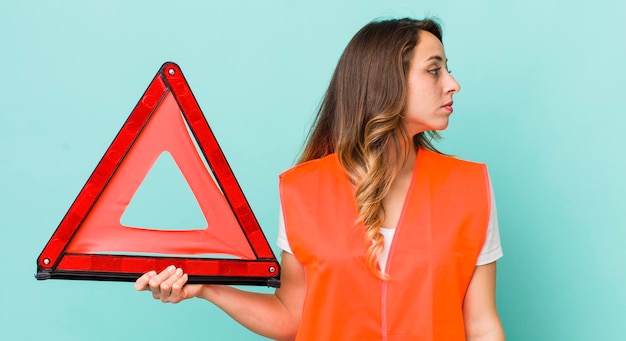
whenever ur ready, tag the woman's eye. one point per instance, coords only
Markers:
(435, 71)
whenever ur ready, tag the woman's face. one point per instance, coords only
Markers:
(430, 87)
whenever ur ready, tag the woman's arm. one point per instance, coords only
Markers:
(480, 314)
(276, 316)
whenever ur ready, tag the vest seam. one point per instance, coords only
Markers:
(414, 175)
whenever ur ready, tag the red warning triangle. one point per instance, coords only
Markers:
(91, 242)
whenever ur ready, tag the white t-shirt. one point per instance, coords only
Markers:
(491, 250)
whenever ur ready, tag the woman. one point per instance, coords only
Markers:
(384, 237)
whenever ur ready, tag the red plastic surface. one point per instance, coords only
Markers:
(91, 239)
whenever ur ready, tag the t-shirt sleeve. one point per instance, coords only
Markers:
(492, 248)
(281, 240)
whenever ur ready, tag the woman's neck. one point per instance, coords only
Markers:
(407, 167)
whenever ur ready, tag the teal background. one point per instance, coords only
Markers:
(542, 102)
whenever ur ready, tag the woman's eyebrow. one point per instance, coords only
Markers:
(437, 57)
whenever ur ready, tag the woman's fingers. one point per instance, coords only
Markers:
(179, 291)
(142, 282)
(155, 282)
(168, 286)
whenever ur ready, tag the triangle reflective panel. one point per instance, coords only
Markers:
(93, 243)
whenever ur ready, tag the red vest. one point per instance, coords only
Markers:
(431, 259)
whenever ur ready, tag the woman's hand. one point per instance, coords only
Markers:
(275, 316)
(168, 286)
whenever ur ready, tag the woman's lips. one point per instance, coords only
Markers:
(448, 107)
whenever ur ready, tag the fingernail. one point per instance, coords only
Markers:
(171, 268)
(179, 271)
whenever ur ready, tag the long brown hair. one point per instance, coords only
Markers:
(360, 117)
